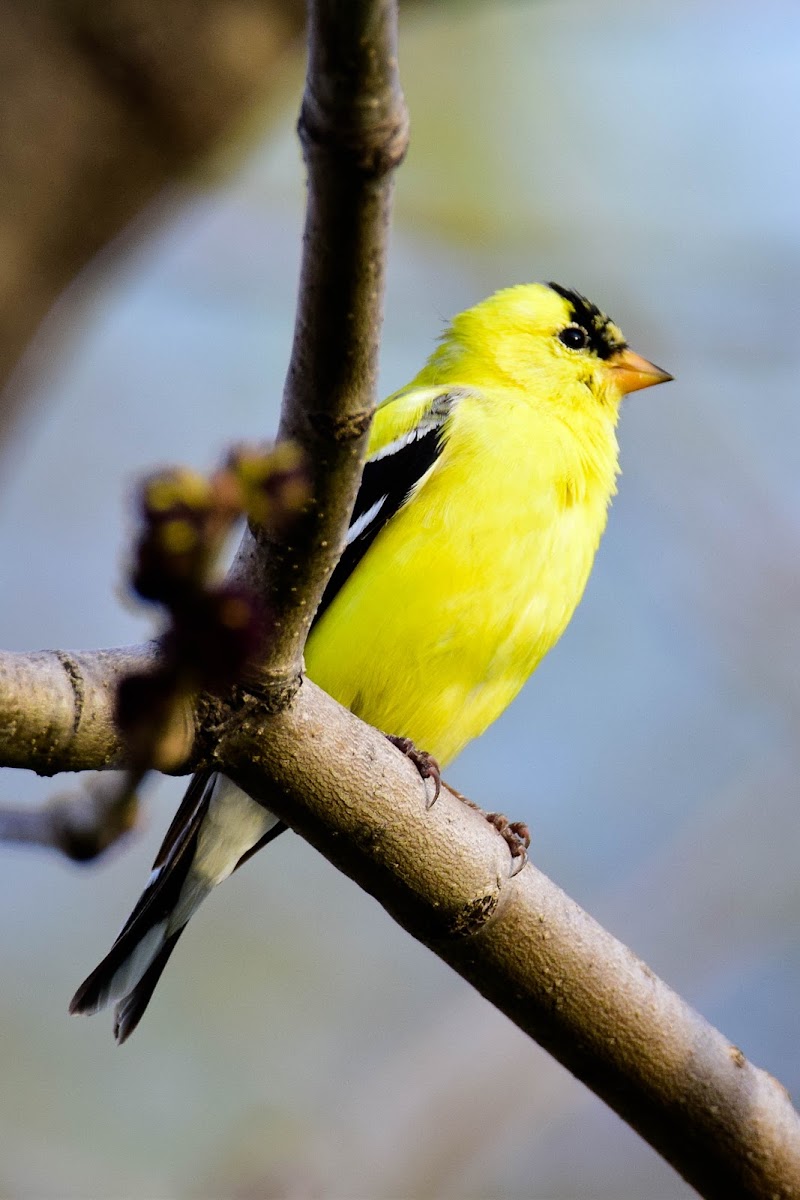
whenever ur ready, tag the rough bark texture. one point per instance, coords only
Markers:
(57, 707)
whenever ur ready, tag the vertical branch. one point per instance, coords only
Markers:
(354, 130)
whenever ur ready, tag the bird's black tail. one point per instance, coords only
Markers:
(146, 940)
(130, 1009)
(215, 829)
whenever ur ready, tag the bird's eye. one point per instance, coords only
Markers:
(574, 337)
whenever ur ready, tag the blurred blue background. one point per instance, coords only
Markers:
(301, 1045)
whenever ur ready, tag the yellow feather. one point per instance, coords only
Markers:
(477, 575)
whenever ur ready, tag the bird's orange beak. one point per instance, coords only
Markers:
(631, 372)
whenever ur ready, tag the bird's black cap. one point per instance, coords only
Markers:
(604, 337)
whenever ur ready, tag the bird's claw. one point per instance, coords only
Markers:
(516, 836)
(425, 763)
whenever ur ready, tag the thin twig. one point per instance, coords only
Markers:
(81, 823)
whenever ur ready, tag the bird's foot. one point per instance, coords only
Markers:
(517, 837)
(425, 763)
(515, 834)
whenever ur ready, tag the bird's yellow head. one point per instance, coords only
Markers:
(547, 340)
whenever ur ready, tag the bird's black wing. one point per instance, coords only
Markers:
(388, 478)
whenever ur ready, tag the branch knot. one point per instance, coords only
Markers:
(474, 915)
(372, 148)
(341, 428)
(272, 692)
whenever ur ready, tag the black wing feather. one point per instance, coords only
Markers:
(387, 480)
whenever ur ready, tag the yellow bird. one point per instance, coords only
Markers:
(481, 506)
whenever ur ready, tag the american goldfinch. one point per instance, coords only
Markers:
(481, 506)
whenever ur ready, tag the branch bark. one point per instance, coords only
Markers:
(57, 707)
(354, 130)
(444, 874)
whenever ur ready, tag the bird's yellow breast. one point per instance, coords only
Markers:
(473, 581)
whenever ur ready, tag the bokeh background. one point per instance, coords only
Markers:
(300, 1044)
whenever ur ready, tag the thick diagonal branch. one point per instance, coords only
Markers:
(727, 1127)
